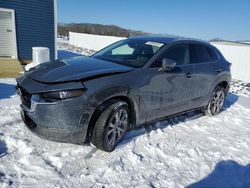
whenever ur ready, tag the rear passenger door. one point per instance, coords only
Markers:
(202, 59)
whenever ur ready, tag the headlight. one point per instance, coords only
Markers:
(61, 95)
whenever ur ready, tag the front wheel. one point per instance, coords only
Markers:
(111, 126)
(216, 102)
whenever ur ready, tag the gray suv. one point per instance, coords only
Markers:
(98, 99)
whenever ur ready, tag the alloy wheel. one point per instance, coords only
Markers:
(217, 102)
(117, 126)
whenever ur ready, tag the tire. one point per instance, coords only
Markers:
(111, 126)
(216, 102)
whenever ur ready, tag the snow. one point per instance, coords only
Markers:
(189, 150)
(65, 46)
(89, 41)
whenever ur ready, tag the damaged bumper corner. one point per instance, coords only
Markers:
(55, 121)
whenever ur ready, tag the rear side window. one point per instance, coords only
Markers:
(201, 54)
(178, 54)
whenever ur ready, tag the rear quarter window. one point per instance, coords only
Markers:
(213, 54)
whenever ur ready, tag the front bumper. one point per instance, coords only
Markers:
(51, 134)
(54, 122)
(62, 121)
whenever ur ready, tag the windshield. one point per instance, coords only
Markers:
(129, 52)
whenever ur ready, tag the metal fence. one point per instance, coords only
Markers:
(93, 42)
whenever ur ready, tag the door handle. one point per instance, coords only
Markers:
(189, 75)
(218, 70)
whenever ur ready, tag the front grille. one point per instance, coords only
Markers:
(25, 96)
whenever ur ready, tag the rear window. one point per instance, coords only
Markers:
(201, 54)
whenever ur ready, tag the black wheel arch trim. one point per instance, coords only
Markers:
(106, 94)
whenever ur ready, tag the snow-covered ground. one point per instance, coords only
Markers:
(190, 150)
(63, 44)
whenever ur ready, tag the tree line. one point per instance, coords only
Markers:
(97, 29)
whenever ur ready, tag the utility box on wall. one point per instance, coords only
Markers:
(25, 24)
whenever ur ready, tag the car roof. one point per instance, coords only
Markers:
(167, 39)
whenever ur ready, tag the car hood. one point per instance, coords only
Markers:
(74, 69)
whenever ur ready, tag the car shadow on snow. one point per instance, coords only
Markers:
(3, 149)
(6, 90)
(226, 174)
(230, 100)
(173, 120)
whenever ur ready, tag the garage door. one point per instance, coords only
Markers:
(7, 47)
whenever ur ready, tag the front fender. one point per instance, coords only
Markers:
(103, 95)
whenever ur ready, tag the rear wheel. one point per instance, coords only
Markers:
(216, 102)
(111, 126)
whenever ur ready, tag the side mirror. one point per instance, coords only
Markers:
(168, 64)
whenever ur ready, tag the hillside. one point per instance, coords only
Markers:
(97, 29)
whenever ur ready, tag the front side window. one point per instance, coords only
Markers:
(178, 54)
(200, 54)
(130, 52)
